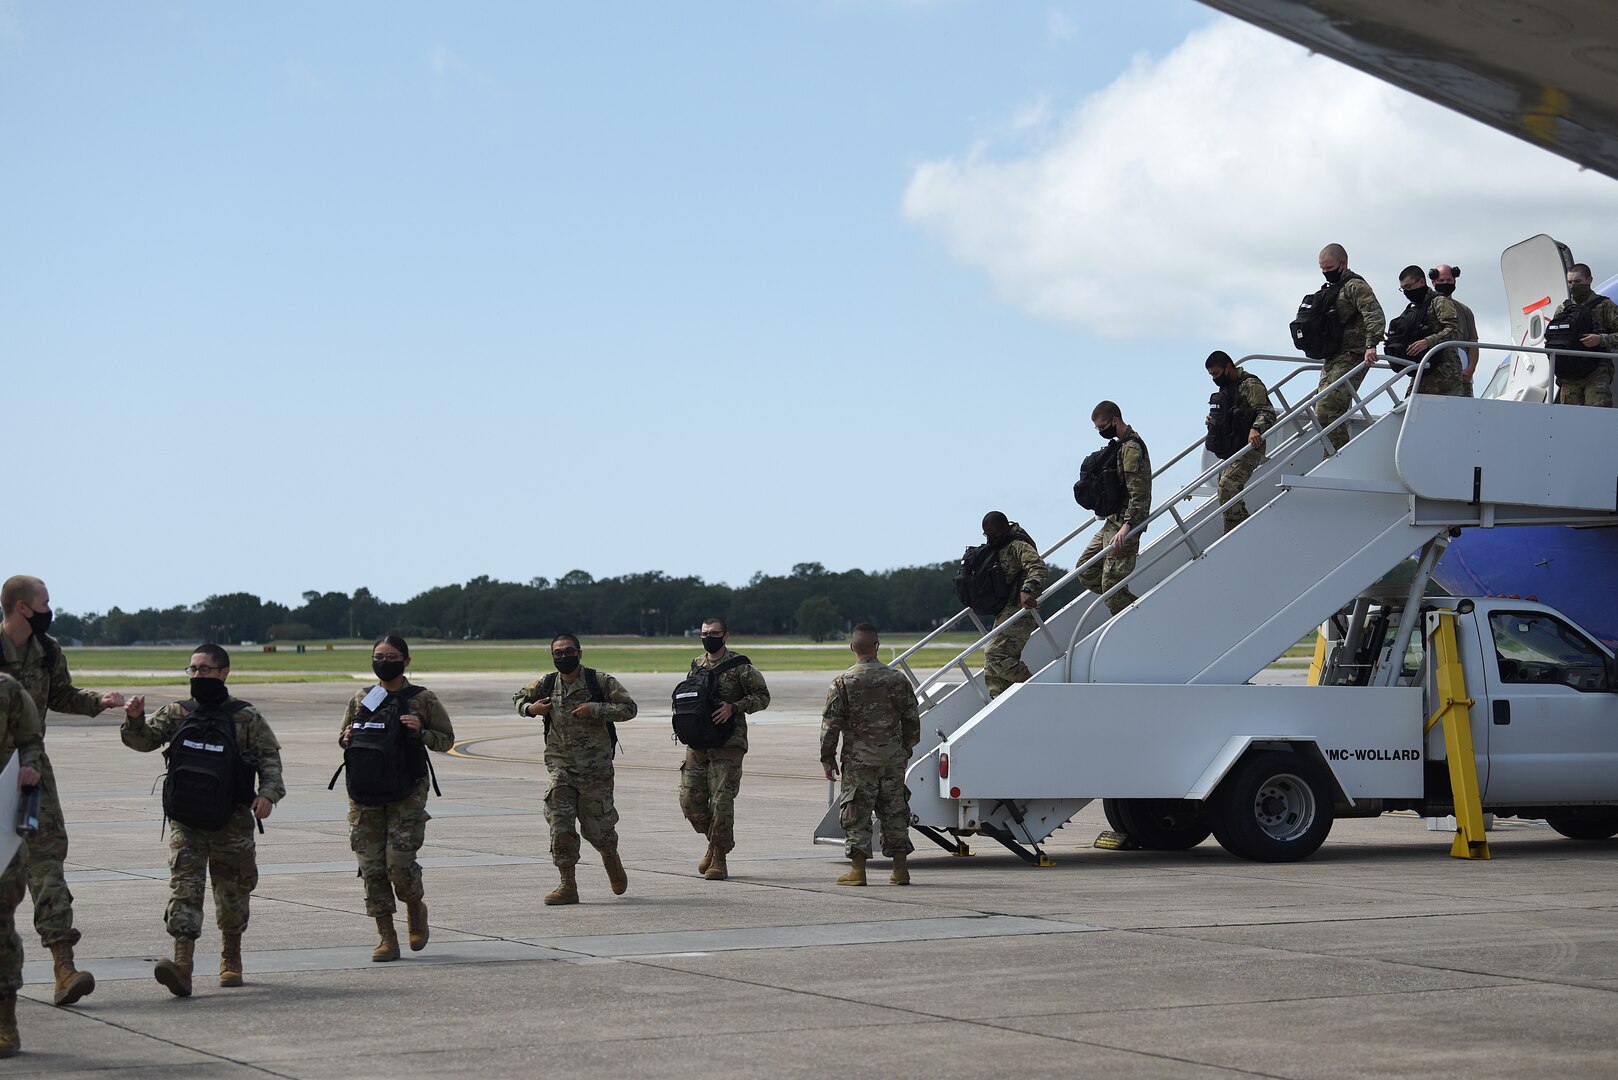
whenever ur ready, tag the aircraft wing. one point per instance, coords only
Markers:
(1544, 71)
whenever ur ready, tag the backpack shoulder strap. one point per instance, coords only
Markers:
(411, 692)
(594, 685)
(735, 660)
(547, 685)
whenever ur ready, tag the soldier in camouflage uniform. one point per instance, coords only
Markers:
(579, 742)
(1119, 534)
(711, 779)
(34, 658)
(20, 733)
(1443, 278)
(226, 853)
(386, 837)
(1446, 371)
(873, 708)
(1255, 399)
(1596, 387)
(1363, 326)
(1025, 572)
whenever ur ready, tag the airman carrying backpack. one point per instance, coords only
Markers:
(696, 698)
(592, 683)
(383, 758)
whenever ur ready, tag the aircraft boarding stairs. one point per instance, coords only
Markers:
(1215, 609)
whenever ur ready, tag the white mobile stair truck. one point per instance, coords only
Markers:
(1454, 706)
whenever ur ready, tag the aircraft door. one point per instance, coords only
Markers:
(1535, 274)
(1553, 719)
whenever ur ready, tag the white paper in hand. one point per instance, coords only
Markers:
(376, 697)
(9, 840)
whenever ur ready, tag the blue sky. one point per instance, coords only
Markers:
(310, 296)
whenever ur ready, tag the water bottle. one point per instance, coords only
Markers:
(28, 811)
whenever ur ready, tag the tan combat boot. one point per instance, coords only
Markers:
(707, 859)
(230, 961)
(416, 916)
(10, 1040)
(717, 870)
(901, 870)
(176, 974)
(615, 872)
(71, 983)
(565, 893)
(388, 948)
(856, 873)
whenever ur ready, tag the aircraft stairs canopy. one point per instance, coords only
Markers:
(1216, 608)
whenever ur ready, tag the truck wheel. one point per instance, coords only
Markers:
(1273, 807)
(1160, 824)
(1115, 821)
(1586, 828)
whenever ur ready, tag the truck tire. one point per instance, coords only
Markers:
(1586, 828)
(1273, 807)
(1159, 824)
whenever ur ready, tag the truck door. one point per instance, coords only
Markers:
(1553, 716)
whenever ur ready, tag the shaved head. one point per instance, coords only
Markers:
(865, 640)
(1335, 252)
(17, 589)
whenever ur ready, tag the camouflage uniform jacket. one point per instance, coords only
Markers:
(873, 708)
(1255, 396)
(573, 739)
(1440, 321)
(1363, 320)
(744, 688)
(1604, 314)
(1020, 562)
(253, 738)
(19, 725)
(436, 732)
(1135, 466)
(50, 688)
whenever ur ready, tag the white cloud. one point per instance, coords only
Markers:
(1199, 187)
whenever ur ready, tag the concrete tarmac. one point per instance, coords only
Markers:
(1379, 956)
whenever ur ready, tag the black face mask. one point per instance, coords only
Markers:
(1416, 295)
(1444, 289)
(567, 665)
(39, 622)
(1579, 293)
(209, 691)
(1333, 276)
(1108, 432)
(712, 644)
(387, 670)
(1225, 381)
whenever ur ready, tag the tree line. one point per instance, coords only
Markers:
(809, 602)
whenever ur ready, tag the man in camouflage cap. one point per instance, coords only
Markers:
(32, 657)
(711, 779)
(1363, 325)
(227, 853)
(579, 707)
(1119, 535)
(19, 733)
(873, 709)
(1025, 572)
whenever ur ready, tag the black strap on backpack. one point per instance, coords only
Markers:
(592, 683)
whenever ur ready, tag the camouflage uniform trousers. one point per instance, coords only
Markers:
(1101, 576)
(878, 789)
(1340, 400)
(229, 856)
(1445, 376)
(47, 849)
(580, 792)
(1002, 662)
(1594, 389)
(1233, 479)
(13, 886)
(709, 783)
(385, 839)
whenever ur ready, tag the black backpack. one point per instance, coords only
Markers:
(982, 584)
(1563, 333)
(207, 776)
(695, 699)
(1404, 330)
(592, 683)
(1230, 418)
(384, 758)
(1318, 331)
(1100, 486)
